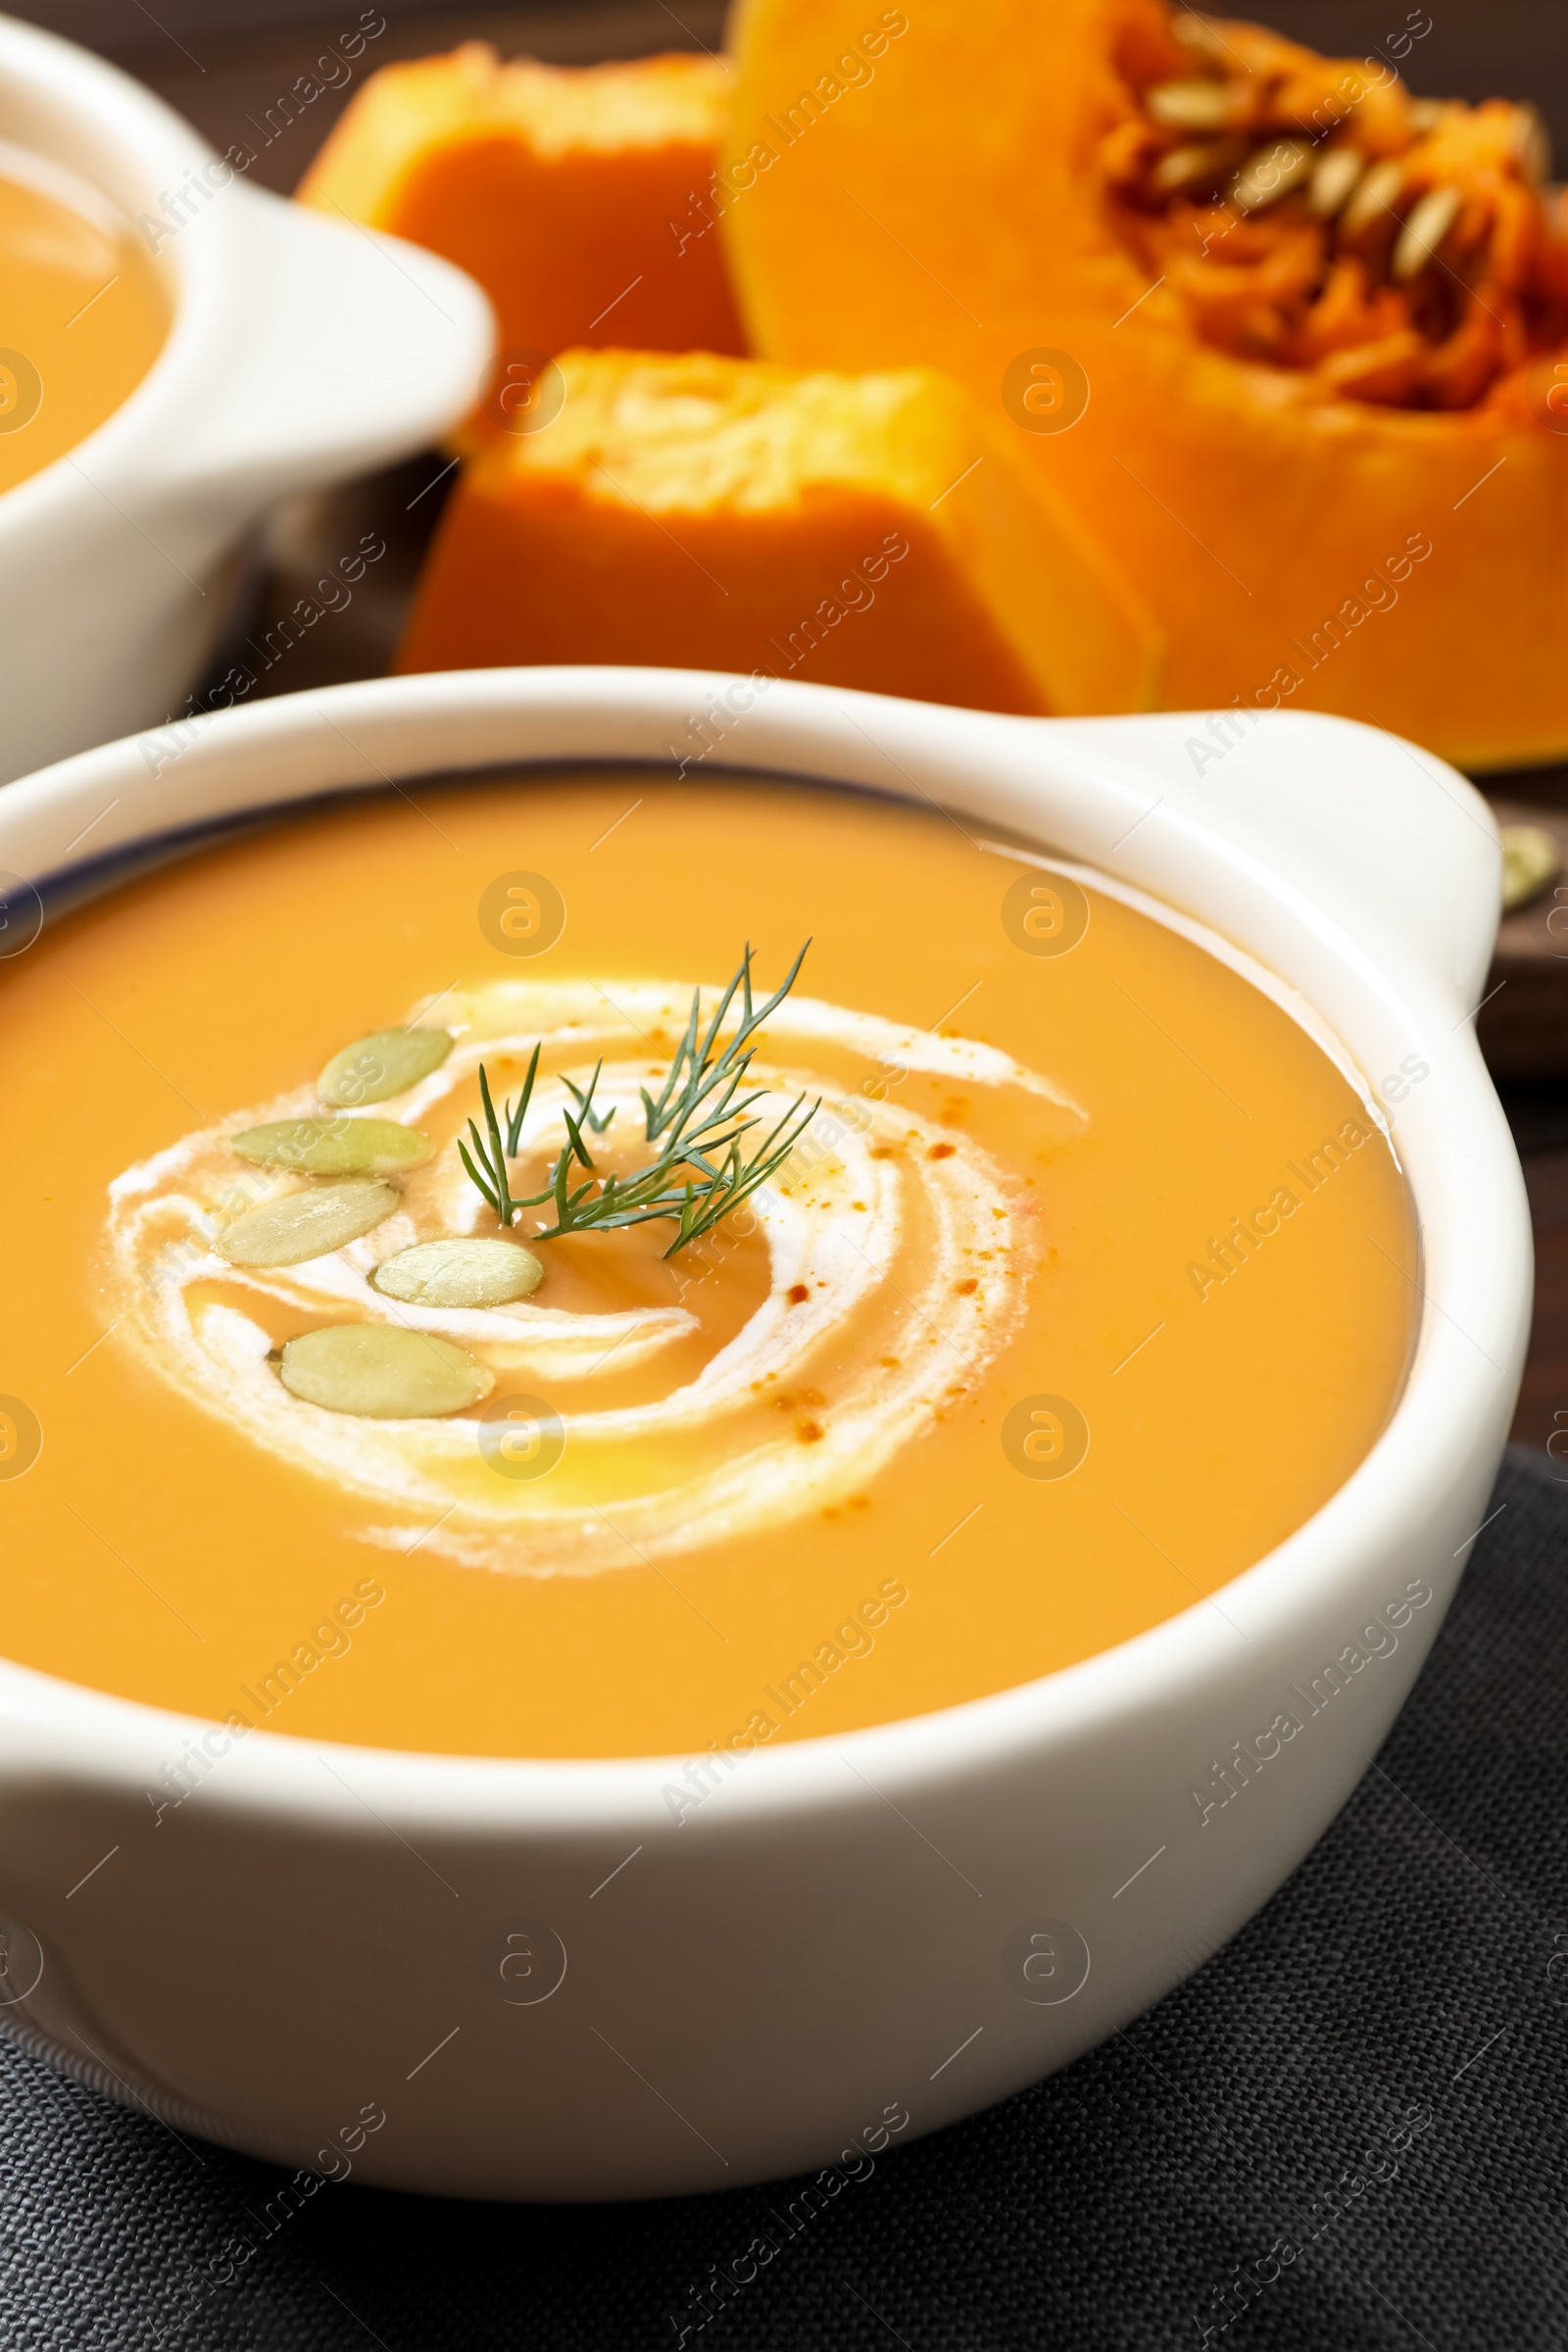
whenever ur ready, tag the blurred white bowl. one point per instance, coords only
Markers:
(301, 351)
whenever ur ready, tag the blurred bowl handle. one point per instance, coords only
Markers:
(353, 350)
(1383, 834)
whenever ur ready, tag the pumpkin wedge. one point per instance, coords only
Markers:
(708, 512)
(554, 186)
(1293, 342)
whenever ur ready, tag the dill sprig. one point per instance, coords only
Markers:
(696, 1119)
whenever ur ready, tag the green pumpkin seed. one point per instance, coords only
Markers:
(334, 1147)
(387, 1062)
(383, 1372)
(460, 1272)
(307, 1224)
(1530, 861)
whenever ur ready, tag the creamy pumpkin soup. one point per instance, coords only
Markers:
(598, 1265)
(84, 316)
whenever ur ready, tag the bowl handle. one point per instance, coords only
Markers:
(1387, 835)
(349, 349)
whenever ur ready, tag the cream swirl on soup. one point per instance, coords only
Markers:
(666, 1404)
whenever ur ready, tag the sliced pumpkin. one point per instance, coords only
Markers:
(573, 194)
(715, 513)
(1322, 327)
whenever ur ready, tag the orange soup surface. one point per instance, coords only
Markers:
(85, 314)
(1089, 1277)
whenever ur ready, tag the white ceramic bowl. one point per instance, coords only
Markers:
(302, 351)
(852, 1935)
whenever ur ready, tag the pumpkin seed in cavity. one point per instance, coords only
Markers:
(1191, 105)
(1200, 165)
(307, 1224)
(1376, 197)
(1334, 180)
(460, 1272)
(382, 1372)
(1424, 232)
(1274, 172)
(387, 1062)
(338, 1146)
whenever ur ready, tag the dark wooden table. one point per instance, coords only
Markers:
(233, 85)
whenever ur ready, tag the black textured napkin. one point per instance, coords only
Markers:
(1348, 2133)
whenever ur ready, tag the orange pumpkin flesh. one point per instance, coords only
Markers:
(1322, 325)
(715, 513)
(554, 186)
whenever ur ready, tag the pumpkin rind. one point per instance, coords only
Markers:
(940, 201)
